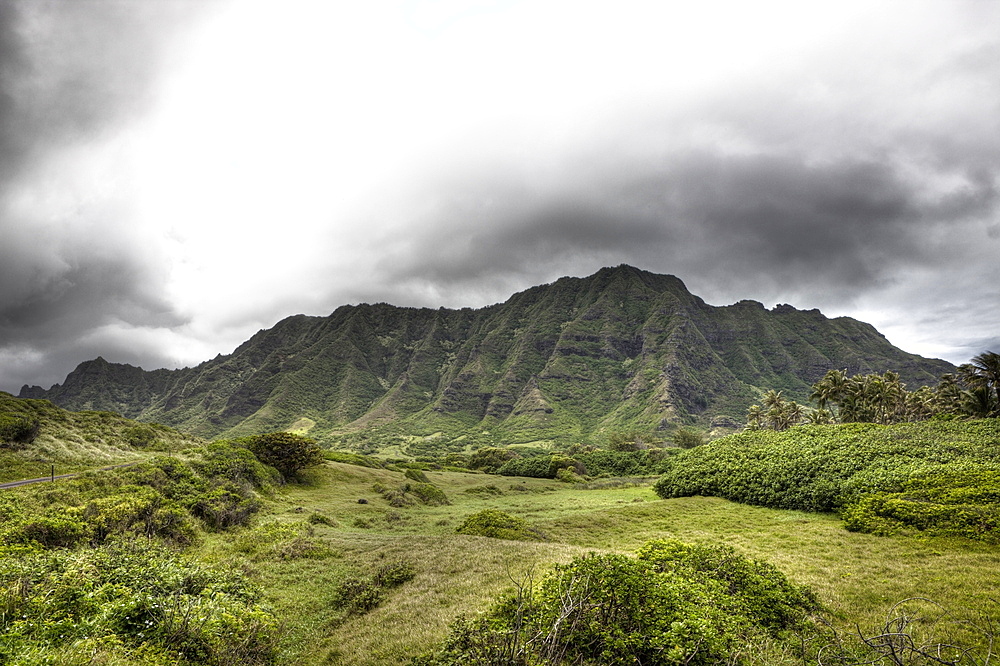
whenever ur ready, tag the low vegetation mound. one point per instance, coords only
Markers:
(499, 525)
(938, 476)
(673, 603)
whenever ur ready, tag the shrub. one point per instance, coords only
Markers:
(688, 438)
(416, 475)
(227, 461)
(491, 459)
(673, 604)
(48, 532)
(139, 436)
(286, 452)
(498, 525)
(393, 574)
(222, 508)
(17, 429)
(316, 518)
(136, 594)
(937, 476)
(427, 493)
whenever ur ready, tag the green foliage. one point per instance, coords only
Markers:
(228, 461)
(427, 493)
(47, 531)
(286, 452)
(416, 475)
(139, 435)
(357, 595)
(223, 508)
(673, 604)
(938, 476)
(17, 430)
(491, 459)
(632, 440)
(951, 501)
(884, 399)
(538, 467)
(138, 595)
(688, 438)
(353, 459)
(498, 525)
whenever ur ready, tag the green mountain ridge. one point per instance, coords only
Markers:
(567, 360)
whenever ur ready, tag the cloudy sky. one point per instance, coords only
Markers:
(176, 175)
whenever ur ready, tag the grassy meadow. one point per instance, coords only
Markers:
(858, 577)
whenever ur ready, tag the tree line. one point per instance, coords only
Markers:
(974, 391)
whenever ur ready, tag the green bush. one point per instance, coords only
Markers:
(222, 508)
(491, 459)
(948, 501)
(286, 452)
(17, 429)
(416, 475)
(538, 467)
(935, 476)
(227, 461)
(393, 574)
(673, 604)
(498, 525)
(688, 438)
(427, 493)
(139, 436)
(48, 532)
(139, 595)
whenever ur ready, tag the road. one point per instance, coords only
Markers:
(24, 482)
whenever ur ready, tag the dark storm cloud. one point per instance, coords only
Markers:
(73, 69)
(776, 222)
(71, 262)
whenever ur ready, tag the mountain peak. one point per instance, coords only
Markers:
(622, 348)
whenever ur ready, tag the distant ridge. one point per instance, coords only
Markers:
(567, 360)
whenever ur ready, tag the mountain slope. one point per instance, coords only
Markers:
(620, 348)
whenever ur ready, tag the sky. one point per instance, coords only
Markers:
(176, 175)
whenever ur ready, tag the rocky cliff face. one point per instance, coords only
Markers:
(620, 348)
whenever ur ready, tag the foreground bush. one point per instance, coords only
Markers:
(131, 598)
(672, 604)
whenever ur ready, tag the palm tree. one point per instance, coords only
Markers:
(983, 372)
(830, 389)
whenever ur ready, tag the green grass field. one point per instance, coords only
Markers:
(858, 577)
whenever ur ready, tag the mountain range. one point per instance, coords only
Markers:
(623, 348)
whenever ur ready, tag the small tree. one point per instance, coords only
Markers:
(688, 438)
(286, 452)
(17, 430)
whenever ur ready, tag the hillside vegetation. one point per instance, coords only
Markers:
(38, 435)
(564, 362)
(211, 556)
(935, 477)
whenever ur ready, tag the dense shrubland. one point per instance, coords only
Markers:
(91, 566)
(937, 477)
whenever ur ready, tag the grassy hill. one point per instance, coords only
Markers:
(73, 441)
(564, 362)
